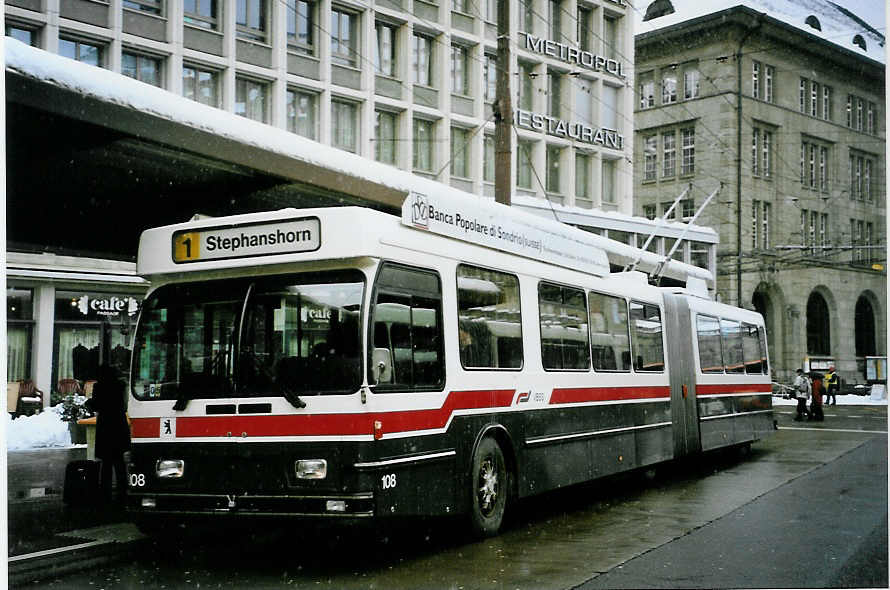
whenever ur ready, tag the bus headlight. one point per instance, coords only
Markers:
(169, 468)
(311, 468)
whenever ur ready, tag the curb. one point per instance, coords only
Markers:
(110, 544)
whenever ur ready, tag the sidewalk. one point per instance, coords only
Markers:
(49, 538)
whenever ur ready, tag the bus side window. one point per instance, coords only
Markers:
(489, 319)
(751, 347)
(407, 321)
(609, 334)
(710, 350)
(647, 337)
(733, 353)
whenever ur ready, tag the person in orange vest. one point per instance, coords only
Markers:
(831, 384)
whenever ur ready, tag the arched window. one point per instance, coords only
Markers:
(813, 22)
(763, 305)
(865, 328)
(860, 41)
(658, 8)
(818, 326)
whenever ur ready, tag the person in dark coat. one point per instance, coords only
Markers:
(112, 429)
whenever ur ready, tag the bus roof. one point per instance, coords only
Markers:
(302, 235)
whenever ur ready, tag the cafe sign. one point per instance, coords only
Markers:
(112, 306)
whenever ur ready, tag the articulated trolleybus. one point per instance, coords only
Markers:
(345, 363)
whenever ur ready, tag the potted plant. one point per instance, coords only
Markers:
(70, 409)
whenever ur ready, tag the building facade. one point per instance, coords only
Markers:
(784, 116)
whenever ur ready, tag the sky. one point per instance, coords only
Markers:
(871, 11)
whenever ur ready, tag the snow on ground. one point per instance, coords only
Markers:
(46, 429)
(842, 400)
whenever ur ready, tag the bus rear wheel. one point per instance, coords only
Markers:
(489, 488)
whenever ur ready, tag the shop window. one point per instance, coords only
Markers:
(19, 327)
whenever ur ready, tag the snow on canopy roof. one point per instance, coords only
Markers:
(839, 26)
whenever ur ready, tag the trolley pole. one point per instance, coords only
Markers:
(503, 110)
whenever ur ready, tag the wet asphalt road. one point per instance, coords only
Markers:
(806, 508)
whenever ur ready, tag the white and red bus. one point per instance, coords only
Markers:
(346, 363)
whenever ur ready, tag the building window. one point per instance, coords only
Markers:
(19, 328)
(344, 125)
(459, 6)
(650, 158)
(755, 79)
(687, 166)
(525, 86)
(804, 83)
(767, 166)
(826, 102)
(26, 36)
(141, 67)
(649, 211)
(421, 61)
(610, 37)
(344, 37)
(609, 188)
(690, 84)
(814, 99)
(250, 99)
(823, 233)
(669, 154)
(859, 114)
(385, 137)
(687, 208)
(301, 109)
(582, 176)
(200, 85)
(423, 145)
(647, 94)
(870, 119)
(491, 77)
(251, 19)
(849, 108)
(585, 30)
(201, 13)
(764, 226)
(526, 16)
(553, 165)
(823, 169)
(866, 180)
(869, 228)
(554, 93)
(523, 164)
(755, 224)
(460, 70)
(554, 17)
(768, 77)
(385, 50)
(301, 26)
(668, 89)
(755, 153)
(82, 51)
(460, 152)
(488, 158)
(491, 11)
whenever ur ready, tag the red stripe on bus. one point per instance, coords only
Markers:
(603, 394)
(327, 424)
(737, 388)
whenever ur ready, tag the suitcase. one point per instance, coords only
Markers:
(81, 483)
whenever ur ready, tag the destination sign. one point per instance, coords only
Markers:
(256, 239)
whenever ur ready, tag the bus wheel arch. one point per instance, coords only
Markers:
(492, 480)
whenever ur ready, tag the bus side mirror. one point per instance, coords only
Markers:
(381, 365)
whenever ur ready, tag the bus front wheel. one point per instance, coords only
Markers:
(489, 488)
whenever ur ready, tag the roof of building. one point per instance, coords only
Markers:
(858, 33)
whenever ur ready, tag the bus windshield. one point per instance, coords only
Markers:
(287, 335)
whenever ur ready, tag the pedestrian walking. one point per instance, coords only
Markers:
(112, 430)
(831, 384)
(816, 379)
(802, 391)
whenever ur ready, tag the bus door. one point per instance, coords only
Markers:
(684, 409)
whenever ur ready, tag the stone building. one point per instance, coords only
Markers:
(783, 112)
